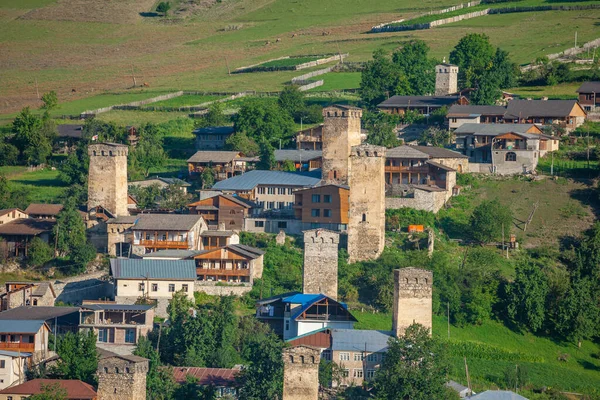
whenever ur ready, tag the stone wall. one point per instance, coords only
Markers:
(320, 271)
(422, 200)
(301, 373)
(459, 164)
(121, 379)
(341, 131)
(107, 178)
(118, 233)
(366, 227)
(91, 286)
(526, 161)
(412, 299)
(213, 289)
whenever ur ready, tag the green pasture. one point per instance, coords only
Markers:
(185, 100)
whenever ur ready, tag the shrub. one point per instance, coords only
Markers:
(39, 252)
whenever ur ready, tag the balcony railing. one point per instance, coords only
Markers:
(170, 244)
(222, 272)
(17, 346)
(399, 168)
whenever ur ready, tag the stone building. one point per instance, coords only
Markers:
(446, 79)
(107, 178)
(19, 294)
(412, 299)
(301, 373)
(320, 271)
(341, 132)
(366, 227)
(122, 377)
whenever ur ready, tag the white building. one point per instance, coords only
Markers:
(13, 366)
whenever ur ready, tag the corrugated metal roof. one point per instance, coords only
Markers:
(218, 157)
(20, 326)
(14, 353)
(251, 179)
(206, 376)
(125, 268)
(498, 395)
(359, 339)
(247, 249)
(589, 87)
(441, 166)
(37, 312)
(419, 101)
(539, 108)
(492, 129)
(297, 155)
(463, 110)
(166, 222)
(406, 152)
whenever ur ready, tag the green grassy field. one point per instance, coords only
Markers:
(44, 185)
(125, 118)
(338, 81)
(289, 62)
(563, 91)
(185, 100)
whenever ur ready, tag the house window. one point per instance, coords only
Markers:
(259, 224)
(287, 324)
(155, 287)
(2, 364)
(364, 218)
(130, 336)
(270, 205)
(370, 374)
(280, 190)
(316, 198)
(290, 191)
(453, 120)
(184, 287)
(345, 373)
(103, 335)
(511, 156)
(372, 357)
(326, 198)
(315, 212)
(231, 211)
(326, 355)
(358, 357)
(141, 287)
(271, 190)
(327, 213)
(344, 356)
(171, 287)
(281, 205)
(35, 302)
(382, 357)
(358, 373)
(261, 190)
(282, 224)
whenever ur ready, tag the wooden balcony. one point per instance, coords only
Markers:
(412, 170)
(29, 347)
(222, 272)
(167, 244)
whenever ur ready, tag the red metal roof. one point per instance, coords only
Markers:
(76, 389)
(206, 376)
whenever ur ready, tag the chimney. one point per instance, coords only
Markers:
(412, 299)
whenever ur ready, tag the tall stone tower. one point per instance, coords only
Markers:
(412, 299)
(107, 177)
(341, 131)
(446, 79)
(366, 226)
(122, 378)
(320, 272)
(301, 373)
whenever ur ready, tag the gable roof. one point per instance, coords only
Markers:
(439, 152)
(21, 326)
(8, 210)
(458, 110)
(70, 130)
(37, 313)
(235, 199)
(419, 101)
(297, 155)
(168, 181)
(75, 388)
(166, 222)
(359, 339)
(251, 179)
(126, 268)
(214, 130)
(589, 87)
(246, 251)
(308, 300)
(405, 151)
(539, 108)
(440, 166)
(498, 395)
(218, 157)
(26, 227)
(493, 129)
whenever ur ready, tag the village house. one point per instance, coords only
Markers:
(232, 264)
(224, 164)
(59, 319)
(565, 113)
(18, 233)
(589, 96)
(304, 160)
(424, 105)
(222, 209)
(13, 367)
(162, 183)
(116, 324)
(295, 314)
(44, 211)
(11, 214)
(324, 206)
(464, 114)
(120, 235)
(212, 137)
(73, 388)
(217, 238)
(28, 336)
(310, 138)
(20, 294)
(152, 232)
(68, 135)
(221, 379)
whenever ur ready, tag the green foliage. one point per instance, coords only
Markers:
(163, 7)
(484, 351)
(381, 130)
(288, 166)
(378, 79)
(437, 137)
(174, 198)
(50, 100)
(400, 218)
(74, 170)
(207, 177)
(191, 390)
(39, 252)
(106, 131)
(291, 100)
(578, 316)
(9, 154)
(149, 152)
(78, 357)
(264, 121)
(146, 196)
(11, 197)
(240, 141)
(214, 117)
(488, 220)
(266, 156)
(526, 297)
(50, 392)
(473, 54)
(415, 367)
(71, 239)
(517, 376)
(415, 68)
(33, 137)
(329, 373)
(282, 269)
(160, 384)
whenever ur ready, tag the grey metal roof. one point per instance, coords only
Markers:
(219, 157)
(14, 353)
(36, 312)
(166, 222)
(358, 339)
(20, 326)
(465, 110)
(589, 87)
(441, 166)
(125, 268)
(439, 152)
(419, 101)
(181, 254)
(70, 130)
(217, 233)
(297, 155)
(41, 288)
(214, 130)
(117, 307)
(492, 129)
(251, 179)
(406, 152)
(123, 219)
(539, 108)
(251, 252)
(498, 395)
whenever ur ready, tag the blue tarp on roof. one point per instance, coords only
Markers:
(20, 326)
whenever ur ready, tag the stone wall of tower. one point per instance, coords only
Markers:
(120, 379)
(107, 177)
(366, 226)
(301, 373)
(320, 271)
(446, 79)
(341, 131)
(412, 299)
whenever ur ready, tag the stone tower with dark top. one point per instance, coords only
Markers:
(446, 79)
(412, 299)
(122, 377)
(320, 271)
(301, 373)
(366, 226)
(341, 131)
(107, 177)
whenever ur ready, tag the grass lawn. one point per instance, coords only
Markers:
(580, 373)
(44, 185)
(564, 91)
(289, 62)
(338, 81)
(184, 100)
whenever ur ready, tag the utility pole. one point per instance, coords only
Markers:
(133, 76)
(56, 240)
(552, 164)
(467, 373)
(575, 38)
(37, 91)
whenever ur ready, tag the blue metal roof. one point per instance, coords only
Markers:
(359, 340)
(498, 395)
(20, 326)
(303, 299)
(251, 179)
(14, 353)
(125, 268)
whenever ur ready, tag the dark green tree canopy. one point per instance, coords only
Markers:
(489, 219)
(265, 120)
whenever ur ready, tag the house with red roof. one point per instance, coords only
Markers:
(75, 389)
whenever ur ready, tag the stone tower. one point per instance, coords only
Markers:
(320, 272)
(107, 177)
(412, 299)
(446, 79)
(341, 131)
(301, 373)
(122, 378)
(366, 222)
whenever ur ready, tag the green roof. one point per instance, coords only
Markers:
(126, 268)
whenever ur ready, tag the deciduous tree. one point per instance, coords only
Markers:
(473, 54)
(78, 357)
(262, 379)
(488, 220)
(527, 297)
(412, 63)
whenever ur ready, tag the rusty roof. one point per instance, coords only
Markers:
(207, 376)
(75, 388)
